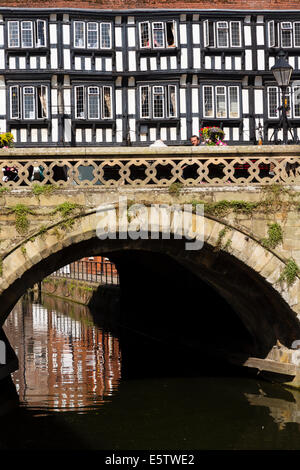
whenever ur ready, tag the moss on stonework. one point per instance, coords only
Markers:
(290, 272)
(221, 235)
(275, 236)
(222, 208)
(39, 189)
(66, 208)
(175, 188)
(21, 212)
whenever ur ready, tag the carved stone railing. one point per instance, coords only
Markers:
(153, 166)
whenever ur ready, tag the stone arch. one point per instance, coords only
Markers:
(268, 309)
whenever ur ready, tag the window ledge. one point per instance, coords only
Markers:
(31, 122)
(27, 50)
(161, 50)
(85, 51)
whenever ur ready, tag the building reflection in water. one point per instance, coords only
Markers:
(65, 361)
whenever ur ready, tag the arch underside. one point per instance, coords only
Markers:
(266, 316)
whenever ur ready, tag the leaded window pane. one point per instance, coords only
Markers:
(13, 34)
(235, 33)
(172, 101)
(158, 35)
(79, 102)
(233, 102)
(297, 34)
(41, 33)
(158, 102)
(144, 94)
(220, 102)
(145, 35)
(92, 35)
(93, 102)
(296, 101)
(14, 102)
(106, 35)
(79, 31)
(222, 34)
(273, 102)
(42, 102)
(28, 100)
(26, 34)
(208, 101)
(107, 103)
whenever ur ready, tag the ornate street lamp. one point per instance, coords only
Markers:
(282, 72)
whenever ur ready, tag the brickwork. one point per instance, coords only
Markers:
(137, 4)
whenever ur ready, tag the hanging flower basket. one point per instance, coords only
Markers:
(212, 136)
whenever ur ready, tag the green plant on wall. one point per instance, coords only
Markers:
(21, 212)
(275, 236)
(290, 272)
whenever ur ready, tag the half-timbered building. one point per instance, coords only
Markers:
(88, 77)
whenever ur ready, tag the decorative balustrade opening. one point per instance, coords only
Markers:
(145, 167)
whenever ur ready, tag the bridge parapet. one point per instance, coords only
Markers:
(151, 166)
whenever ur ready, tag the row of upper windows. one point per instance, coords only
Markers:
(151, 34)
(155, 101)
(94, 102)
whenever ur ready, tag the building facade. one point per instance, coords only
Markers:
(88, 77)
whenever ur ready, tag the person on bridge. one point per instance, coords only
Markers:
(195, 140)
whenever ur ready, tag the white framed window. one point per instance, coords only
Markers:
(271, 33)
(144, 34)
(235, 34)
(292, 101)
(13, 34)
(208, 101)
(28, 103)
(79, 34)
(296, 101)
(286, 34)
(272, 92)
(105, 35)
(158, 101)
(93, 102)
(297, 34)
(106, 102)
(222, 34)
(41, 39)
(15, 102)
(26, 34)
(157, 34)
(145, 101)
(172, 101)
(221, 106)
(79, 102)
(42, 102)
(171, 33)
(206, 33)
(221, 101)
(234, 102)
(92, 35)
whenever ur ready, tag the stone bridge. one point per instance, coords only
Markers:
(238, 295)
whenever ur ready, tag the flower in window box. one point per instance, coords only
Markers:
(212, 136)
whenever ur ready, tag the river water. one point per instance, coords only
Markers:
(73, 393)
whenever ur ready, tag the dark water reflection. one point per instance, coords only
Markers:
(73, 394)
